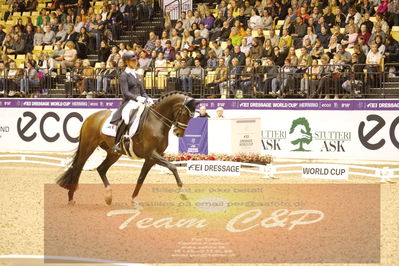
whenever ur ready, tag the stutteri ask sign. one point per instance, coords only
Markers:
(325, 171)
(213, 168)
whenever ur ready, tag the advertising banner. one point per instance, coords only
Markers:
(195, 139)
(213, 168)
(306, 129)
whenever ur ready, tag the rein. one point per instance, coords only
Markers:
(169, 123)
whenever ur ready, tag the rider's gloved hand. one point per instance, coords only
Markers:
(141, 99)
(150, 101)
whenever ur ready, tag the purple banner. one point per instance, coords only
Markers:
(195, 139)
(244, 104)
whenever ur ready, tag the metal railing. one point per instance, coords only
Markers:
(322, 81)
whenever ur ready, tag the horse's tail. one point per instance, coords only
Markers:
(70, 178)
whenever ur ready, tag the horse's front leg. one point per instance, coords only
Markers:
(163, 162)
(148, 164)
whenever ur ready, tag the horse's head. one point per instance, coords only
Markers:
(182, 114)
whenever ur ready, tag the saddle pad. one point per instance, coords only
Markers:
(110, 129)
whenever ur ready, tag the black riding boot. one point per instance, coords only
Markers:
(119, 133)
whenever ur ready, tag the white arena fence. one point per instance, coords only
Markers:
(265, 171)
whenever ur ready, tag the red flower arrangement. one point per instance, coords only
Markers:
(245, 158)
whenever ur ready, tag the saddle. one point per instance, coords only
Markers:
(134, 129)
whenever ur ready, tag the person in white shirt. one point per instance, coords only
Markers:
(373, 61)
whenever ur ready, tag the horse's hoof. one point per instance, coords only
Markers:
(136, 205)
(71, 203)
(183, 196)
(108, 195)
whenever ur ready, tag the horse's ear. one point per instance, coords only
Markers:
(192, 104)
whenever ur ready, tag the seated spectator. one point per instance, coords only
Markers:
(256, 51)
(261, 37)
(165, 37)
(187, 40)
(104, 51)
(245, 47)
(267, 20)
(38, 36)
(158, 46)
(381, 23)
(49, 36)
(71, 34)
(255, 21)
(204, 47)
(240, 28)
(287, 38)
(18, 46)
(160, 63)
(284, 78)
(346, 56)
(169, 52)
(83, 43)
(69, 57)
(364, 33)
(219, 76)
(114, 53)
(223, 34)
(239, 55)
(202, 112)
(278, 57)
(299, 32)
(305, 57)
(391, 52)
(361, 56)
(208, 20)
(31, 79)
(229, 86)
(381, 47)
(227, 57)
(292, 57)
(236, 39)
(175, 39)
(179, 27)
(311, 78)
(274, 39)
(246, 77)
(363, 46)
(183, 74)
(149, 46)
(88, 78)
(317, 50)
(310, 36)
(61, 34)
(144, 61)
(57, 56)
(324, 37)
(212, 61)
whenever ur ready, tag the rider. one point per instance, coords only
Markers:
(132, 90)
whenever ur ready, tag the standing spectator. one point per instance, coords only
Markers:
(29, 38)
(130, 14)
(115, 19)
(299, 31)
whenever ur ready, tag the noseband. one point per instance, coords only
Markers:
(169, 123)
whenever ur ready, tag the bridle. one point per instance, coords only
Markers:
(169, 123)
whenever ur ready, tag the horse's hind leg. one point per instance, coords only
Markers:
(102, 171)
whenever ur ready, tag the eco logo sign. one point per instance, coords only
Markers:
(301, 131)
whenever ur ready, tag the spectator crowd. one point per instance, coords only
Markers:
(248, 47)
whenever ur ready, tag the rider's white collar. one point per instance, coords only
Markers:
(130, 71)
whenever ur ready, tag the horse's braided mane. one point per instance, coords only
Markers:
(168, 94)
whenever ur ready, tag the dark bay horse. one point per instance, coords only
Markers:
(173, 109)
